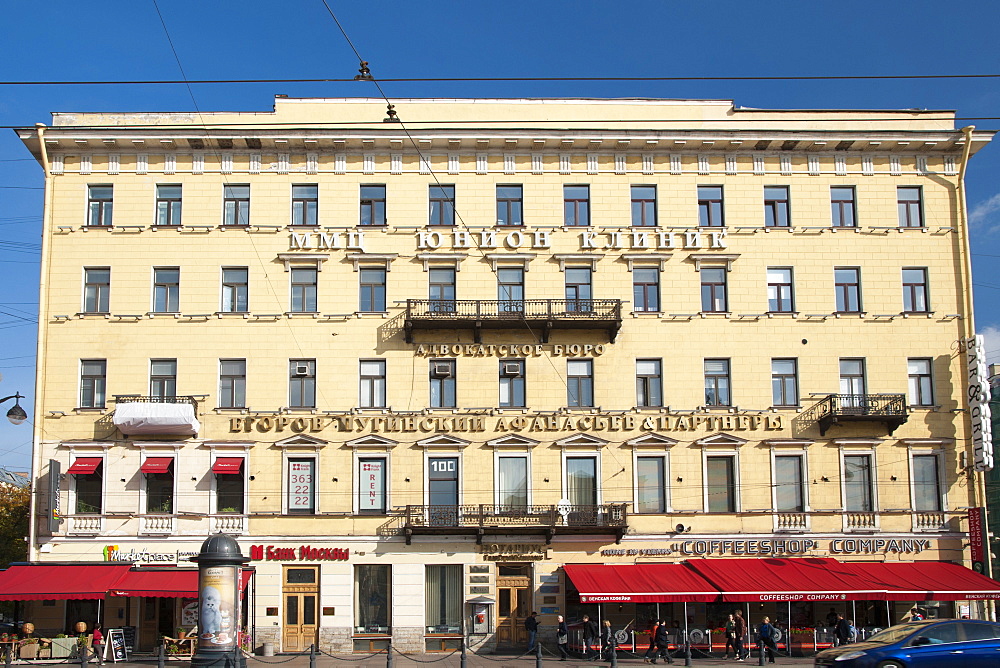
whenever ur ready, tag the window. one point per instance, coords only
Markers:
(510, 289)
(710, 212)
(302, 383)
(163, 379)
(509, 206)
(578, 290)
(372, 393)
(96, 290)
(160, 492)
(784, 382)
(717, 391)
(166, 289)
(921, 386)
(236, 205)
(90, 491)
(858, 496)
(847, 284)
(910, 206)
(372, 598)
(168, 205)
(650, 483)
(99, 205)
(643, 206)
(576, 206)
(581, 480)
(648, 383)
(235, 290)
(512, 385)
(442, 205)
(852, 380)
(720, 483)
(232, 383)
(443, 599)
(373, 205)
(93, 378)
(304, 281)
(371, 485)
(915, 296)
(779, 290)
(789, 492)
(441, 290)
(442, 376)
(442, 481)
(229, 492)
(926, 484)
(513, 479)
(305, 204)
(301, 488)
(843, 207)
(713, 290)
(776, 206)
(646, 290)
(371, 295)
(580, 382)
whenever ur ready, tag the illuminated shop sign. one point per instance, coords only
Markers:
(302, 553)
(778, 547)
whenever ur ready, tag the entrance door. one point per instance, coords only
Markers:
(300, 593)
(157, 620)
(513, 603)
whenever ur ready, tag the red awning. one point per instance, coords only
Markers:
(228, 465)
(164, 582)
(38, 582)
(157, 465)
(639, 583)
(803, 579)
(925, 581)
(85, 465)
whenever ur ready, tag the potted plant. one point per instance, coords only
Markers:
(28, 648)
(62, 646)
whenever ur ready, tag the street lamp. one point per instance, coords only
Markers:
(16, 414)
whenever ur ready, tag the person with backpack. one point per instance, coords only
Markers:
(768, 647)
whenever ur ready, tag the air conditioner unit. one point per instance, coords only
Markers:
(511, 369)
(441, 370)
(302, 370)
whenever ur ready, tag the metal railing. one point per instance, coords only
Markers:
(499, 309)
(491, 515)
(891, 409)
(139, 399)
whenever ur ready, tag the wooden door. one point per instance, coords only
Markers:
(300, 598)
(513, 604)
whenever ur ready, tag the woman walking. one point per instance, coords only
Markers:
(731, 638)
(562, 637)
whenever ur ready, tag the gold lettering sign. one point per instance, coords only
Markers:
(513, 551)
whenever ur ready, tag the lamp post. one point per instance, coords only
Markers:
(219, 565)
(16, 414)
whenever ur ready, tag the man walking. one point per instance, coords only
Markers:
(591, 633)
(741, 635)
(841, 631)
(531, 624)
(767, 645)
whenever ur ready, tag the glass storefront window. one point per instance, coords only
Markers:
(371, 598)
(443, 599)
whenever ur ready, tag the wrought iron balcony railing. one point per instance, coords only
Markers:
(542, 314)
(136, 398)
(837, 408)
(491, 518)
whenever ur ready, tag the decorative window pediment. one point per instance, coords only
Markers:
(722, 439)
(581, 439)
(443, 441)
(372, 442)
(512, 441)
(652, 440)
(301, 441)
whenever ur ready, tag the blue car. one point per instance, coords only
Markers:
(964, 643)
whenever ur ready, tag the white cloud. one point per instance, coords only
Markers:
(992, 338)
(985, 214)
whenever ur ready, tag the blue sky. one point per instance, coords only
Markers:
(115, 40)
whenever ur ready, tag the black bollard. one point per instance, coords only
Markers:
(538, 653)
(83, 651)
(312, 655)
(687, 650)
(760, 646)
(159, 657)
(8, 653)
(614, 652)
(463, 662)
(388, 655)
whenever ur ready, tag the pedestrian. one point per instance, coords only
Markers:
(852, 631)
(591, 633)
(768, 646)
(651, 651)
(607, 640)
(97, 642)
(531, 624)
(662, 639)
(841, 631)
(741, 636)
(731, 637)
(562, 637)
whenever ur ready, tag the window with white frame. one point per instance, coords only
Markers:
(235, 290)
(580, 383)
(926, 483)
(651, 484)
(301, 485)
(512, 480)
(166, 289)
(789, 484)
(304, 282)
(920, 385)
(96, 289)
(443, 598)
(785, 382)
(233, 383)
(302, 383)
(100, 202)
(230, 484)
(93, 380)
(648, 383)
(163, 379)
(442, 383)
(372, 389)
(512, 383)
(305, 204)
(720, 483)
(581, 480)
(442, 481)
(859, 493)
(372, 487)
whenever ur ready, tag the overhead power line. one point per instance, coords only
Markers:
(842, 77)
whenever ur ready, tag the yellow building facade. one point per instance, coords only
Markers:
(416, 368)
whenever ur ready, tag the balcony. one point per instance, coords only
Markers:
(478, 520)
(890, 409)
(157, 525)
(791, 522)
(85, 525)
(157, 416)
(540, 315)
(927, 520)
(862, 521)
(235, 525)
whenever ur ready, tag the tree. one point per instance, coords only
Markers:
(14, 510)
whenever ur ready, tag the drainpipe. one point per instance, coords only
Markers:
(36, 462)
